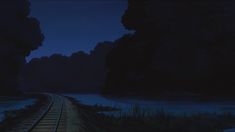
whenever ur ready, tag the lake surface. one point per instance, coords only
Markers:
(229, 130)
(7, 104)
(172, 107)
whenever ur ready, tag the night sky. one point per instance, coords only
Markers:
(73, 25)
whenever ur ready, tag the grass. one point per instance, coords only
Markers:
(13, 117)
(137, 120)
(144, 120)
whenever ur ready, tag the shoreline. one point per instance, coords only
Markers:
(166, 97)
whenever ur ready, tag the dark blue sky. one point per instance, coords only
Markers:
(73, 25)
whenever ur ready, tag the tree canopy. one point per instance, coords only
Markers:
(19, 35)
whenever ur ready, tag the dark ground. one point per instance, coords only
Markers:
(159, 122)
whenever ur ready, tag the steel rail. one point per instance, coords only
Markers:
(59, 118)
(43, 114)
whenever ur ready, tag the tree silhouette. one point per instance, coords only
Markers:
(179, 47)
(19, 35)
(80, 72)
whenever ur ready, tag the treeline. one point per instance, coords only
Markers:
(181, 48)
(177, 48)
(19, 35)
(80, 72)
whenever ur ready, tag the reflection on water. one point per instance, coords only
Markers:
(173, 107)
(14, 104)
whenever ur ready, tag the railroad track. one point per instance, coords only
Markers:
(50, 118)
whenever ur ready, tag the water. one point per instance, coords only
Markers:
(13, 104)
(230, 130)
(172, 107)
